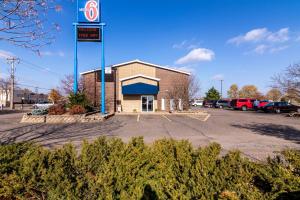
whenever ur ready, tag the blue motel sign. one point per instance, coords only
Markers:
(88, 11)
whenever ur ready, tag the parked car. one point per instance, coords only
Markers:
(223, 104)
(209, 103)
(280, 107)
(42, 105)
(243, 104)
(263, 103)
(197, 103)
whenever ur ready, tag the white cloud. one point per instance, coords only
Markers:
(180, 45)
(251, 36)
(261, 35)
(197, 55)
(277, 49)
(51, 53)
(5, 54)
(218, 77)
(261, 49)
(280, 36)
(46, 53)
(187, 44)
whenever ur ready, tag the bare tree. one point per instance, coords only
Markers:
(184, 88)
(67, 84)
(5, 88)
(24, 23)
(288, 82)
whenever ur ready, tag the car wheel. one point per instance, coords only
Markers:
(244, 108)
(221, 107)
(278, 111)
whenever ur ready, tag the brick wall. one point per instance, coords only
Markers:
(167, 79)
(92, 89)
(113, 90)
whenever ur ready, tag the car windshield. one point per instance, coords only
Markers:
(270, 104)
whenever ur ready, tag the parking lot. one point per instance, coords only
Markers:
(257, 135)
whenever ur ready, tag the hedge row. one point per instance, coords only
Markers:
(168, 169)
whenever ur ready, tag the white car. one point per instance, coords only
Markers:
(42, 106)
(197, 103)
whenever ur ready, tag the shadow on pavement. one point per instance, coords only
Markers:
(275, 130)
(58, 134)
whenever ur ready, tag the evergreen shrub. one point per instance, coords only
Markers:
(168, 169)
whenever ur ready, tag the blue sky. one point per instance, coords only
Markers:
(240, 41)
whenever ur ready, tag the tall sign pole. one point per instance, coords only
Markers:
(90, 29)
(103, 109)
(75, 86)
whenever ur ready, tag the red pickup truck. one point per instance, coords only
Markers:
(243, 104)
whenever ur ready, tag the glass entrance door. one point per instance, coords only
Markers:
(147, 103)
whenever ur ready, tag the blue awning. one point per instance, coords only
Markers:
(139, 89)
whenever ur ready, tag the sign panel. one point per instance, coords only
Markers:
(88, 11)
(88, 34)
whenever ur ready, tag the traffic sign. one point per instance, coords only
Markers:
(88, 11)
(88, 34)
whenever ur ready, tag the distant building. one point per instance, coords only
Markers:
(26, 95)
(135, 86)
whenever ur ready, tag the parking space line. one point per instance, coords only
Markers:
(193, 117)
(138, 118)
(206, 118)
(203, 120)
(166, 118)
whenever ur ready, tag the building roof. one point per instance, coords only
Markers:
(139, 75)
(141, 62)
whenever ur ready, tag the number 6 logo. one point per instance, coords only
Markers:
(91, 12)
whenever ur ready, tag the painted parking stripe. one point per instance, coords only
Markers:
(138, 118)
(166, 118)
(206, 118)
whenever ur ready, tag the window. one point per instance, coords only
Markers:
(243, 100)
(270, 104)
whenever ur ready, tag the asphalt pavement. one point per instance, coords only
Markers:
(256, 135)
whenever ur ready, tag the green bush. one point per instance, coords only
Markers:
(168, 169)
(77, 99)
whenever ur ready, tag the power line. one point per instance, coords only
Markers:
(32, 86)
(37, 67)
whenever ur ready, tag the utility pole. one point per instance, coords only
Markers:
(221, 88)
(12, 62)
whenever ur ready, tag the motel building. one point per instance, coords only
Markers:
(136, 86)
